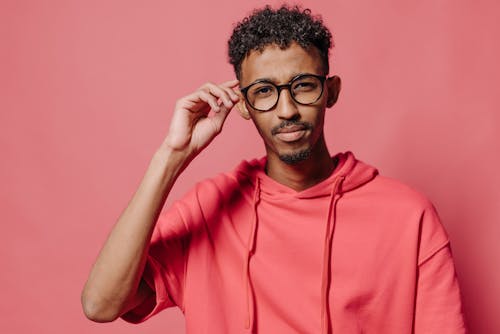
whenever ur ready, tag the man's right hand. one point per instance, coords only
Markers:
(198, 117)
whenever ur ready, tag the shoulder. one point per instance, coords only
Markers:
(225, 186)
(364, 182)
(395, 192)
(406, 202)
(241, 177)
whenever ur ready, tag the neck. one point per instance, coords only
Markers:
(305, 174)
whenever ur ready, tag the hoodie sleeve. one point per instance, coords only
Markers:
(438, 307)
(166, 262)
(166, 266)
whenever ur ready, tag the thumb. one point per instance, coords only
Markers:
(219, 118)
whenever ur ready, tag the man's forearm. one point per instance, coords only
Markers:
(115, 276)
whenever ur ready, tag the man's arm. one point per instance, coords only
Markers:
(438, 307)
(114, 285)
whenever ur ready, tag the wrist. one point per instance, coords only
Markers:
(172, 159)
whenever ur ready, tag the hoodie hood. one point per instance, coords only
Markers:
(349, 174)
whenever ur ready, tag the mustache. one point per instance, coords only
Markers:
(288, 123)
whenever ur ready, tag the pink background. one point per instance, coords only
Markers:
(87, 88)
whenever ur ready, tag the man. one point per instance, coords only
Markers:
(296, 242)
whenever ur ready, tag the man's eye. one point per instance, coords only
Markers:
(262, 90)
(305, 86)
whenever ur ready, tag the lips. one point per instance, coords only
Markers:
(291, 130)
(291, 133)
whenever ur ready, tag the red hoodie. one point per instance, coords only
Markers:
(356, 253)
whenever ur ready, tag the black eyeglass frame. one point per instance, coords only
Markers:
(288, 86)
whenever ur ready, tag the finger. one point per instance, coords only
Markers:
(220, 93)
(199, 101)
(231, 83)
(218, 119)
(232, 94)
(232, 87)
(210, 99)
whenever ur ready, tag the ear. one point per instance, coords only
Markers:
(242, 107)
(333, 85)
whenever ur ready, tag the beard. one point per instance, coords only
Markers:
(295, 157)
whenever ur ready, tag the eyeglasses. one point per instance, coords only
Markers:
(305, 89)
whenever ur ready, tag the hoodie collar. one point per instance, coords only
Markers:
(354, 172)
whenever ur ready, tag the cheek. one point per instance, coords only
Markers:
(261, 124)
(316, 115)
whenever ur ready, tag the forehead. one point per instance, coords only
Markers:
(280, 65)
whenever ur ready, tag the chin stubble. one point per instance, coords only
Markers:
(295, 157)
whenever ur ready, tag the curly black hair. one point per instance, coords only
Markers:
(280, 27)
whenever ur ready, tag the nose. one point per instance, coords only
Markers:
(286, 107)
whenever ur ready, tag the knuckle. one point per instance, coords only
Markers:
(206, 85)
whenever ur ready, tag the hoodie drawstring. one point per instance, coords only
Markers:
(249, 252)
(327, 255)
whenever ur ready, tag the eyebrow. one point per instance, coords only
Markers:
(273, 80)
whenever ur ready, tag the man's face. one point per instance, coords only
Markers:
(291, 131)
